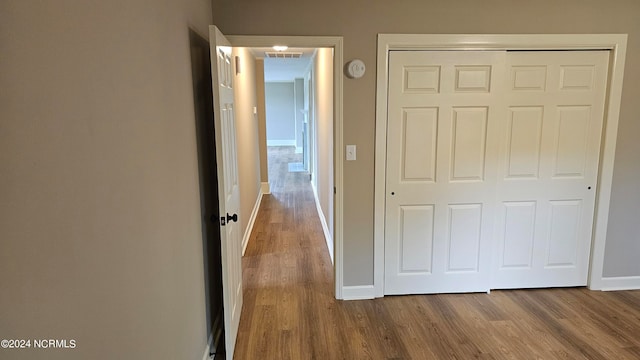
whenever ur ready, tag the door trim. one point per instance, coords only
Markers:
(615, 43)
(334, 42)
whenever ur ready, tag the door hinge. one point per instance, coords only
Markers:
(334, 190)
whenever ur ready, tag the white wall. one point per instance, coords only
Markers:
(247, 141)
(100, 230)
(281, 121)
(299, 114)
(309, 84)
(324, 132)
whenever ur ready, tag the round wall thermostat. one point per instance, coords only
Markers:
(355, 69)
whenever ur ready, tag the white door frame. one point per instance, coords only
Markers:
(615, 43)
(334, 42)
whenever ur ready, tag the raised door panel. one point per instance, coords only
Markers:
(416, 239)
(421, 79)
(420, 139)
(564, 230)
(469, 134)
(524, 137)
(529, 78)
(577, 77)
(517, 234)
(464, 236)
(572, 136)
(472, 78)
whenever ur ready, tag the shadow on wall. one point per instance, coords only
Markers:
(208, 178)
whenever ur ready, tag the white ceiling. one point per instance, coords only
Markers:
(284, 69)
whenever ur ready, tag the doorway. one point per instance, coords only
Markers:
(332, 187)
(289, 100)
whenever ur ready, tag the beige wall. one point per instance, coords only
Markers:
(262, 121)
(323, 98)
(247, 135)
(100, 232)
(360, 21)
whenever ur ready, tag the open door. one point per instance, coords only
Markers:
(227, 165)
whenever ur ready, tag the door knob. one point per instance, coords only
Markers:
(233, 217)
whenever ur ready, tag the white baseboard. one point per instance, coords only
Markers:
(325, 228)
(265, 188)
(252, 220)
(620, 283)
(281, 142)
(207, 349)
(363, 292)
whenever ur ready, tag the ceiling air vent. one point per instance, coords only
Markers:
(283, 55)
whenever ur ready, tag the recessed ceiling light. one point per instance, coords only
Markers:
(280, 47)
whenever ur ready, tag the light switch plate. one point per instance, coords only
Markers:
(351, 152)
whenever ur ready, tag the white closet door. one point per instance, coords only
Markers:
(548, 167)
(442, 142)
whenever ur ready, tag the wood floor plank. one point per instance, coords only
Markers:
(290, 312)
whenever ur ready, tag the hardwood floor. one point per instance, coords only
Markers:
(289, 311)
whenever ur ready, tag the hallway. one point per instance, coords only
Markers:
(290, 312)
(287, 272)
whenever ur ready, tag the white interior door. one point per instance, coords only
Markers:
(549, 167)
(227, 165)
(441, 170)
